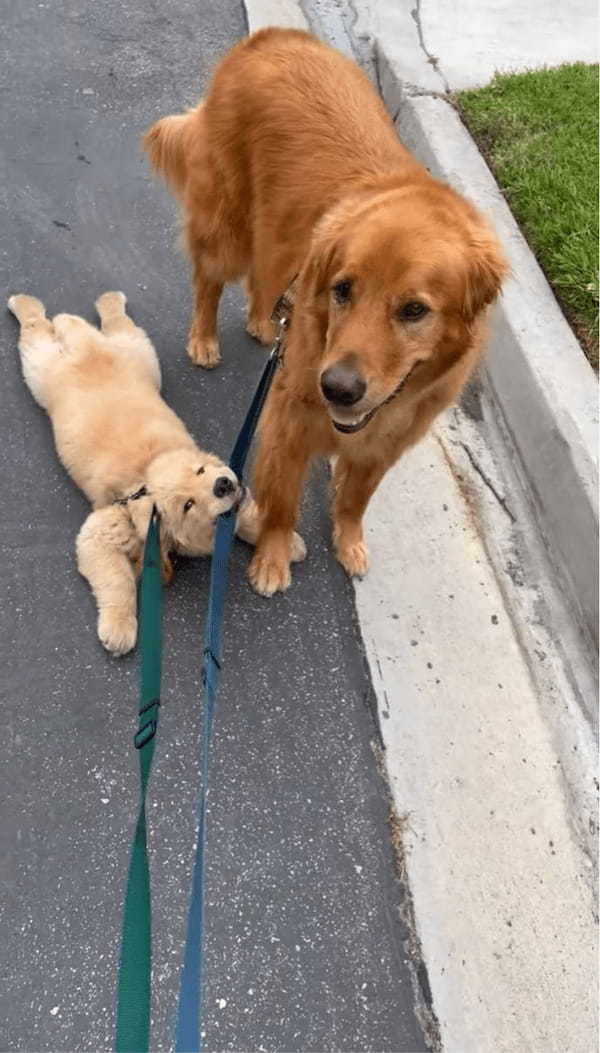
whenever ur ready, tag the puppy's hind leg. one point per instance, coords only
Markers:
(106, 546)
(28, 310)
(38, 346)
(125, 335)
(113, 316)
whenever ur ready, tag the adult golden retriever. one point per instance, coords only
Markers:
(291, 166)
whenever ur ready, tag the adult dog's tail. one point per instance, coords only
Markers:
(165, 143)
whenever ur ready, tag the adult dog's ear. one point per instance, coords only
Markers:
(314, 281)
(486, 270)
(325, 251)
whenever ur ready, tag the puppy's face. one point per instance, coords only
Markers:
(191, 491)
(399, 282)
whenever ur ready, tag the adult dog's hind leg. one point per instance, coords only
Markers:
(38, 346)
(216, 239)
(107, 547)
(258, 311)
(203, 344)
(270, 275)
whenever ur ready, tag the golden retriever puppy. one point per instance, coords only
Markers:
(126, 449)
(290, 166)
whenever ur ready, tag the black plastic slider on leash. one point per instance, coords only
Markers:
(147, 731)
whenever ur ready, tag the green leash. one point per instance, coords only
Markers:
(133, 997)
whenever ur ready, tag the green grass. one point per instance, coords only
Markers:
(539, 134)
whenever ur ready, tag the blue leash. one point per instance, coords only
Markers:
(189, 1014)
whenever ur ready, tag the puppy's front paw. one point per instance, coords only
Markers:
(298, 552)
(203, 351)
(268, 573)
(117, 631)
(354, 557)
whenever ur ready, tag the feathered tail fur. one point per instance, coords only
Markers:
(165, 144)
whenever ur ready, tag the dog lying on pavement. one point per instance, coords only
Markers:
(127, 450)
(290, 166)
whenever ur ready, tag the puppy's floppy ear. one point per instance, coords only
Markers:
(486, 269)
(167, 545)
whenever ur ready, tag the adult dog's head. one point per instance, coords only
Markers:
(396, 280)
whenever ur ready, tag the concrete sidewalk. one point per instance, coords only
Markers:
(444, 45)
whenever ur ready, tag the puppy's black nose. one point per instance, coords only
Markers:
(223, 486)
(342, 384)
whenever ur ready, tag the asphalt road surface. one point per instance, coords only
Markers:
(307, 948)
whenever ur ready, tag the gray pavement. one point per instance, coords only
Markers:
(308, 925)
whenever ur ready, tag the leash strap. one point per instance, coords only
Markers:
(133, 991)
(189, 1014)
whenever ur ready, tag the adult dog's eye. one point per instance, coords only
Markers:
(342, 290)
(200, 470)
(412, 311)
(188, 504)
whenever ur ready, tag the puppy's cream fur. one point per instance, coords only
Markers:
(115, 434)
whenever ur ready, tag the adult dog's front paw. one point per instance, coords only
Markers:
(269, 572)
(203, 351)
(117, 631)
(354, 557)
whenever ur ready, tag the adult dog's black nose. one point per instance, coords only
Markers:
(223, 486)
(342, 384)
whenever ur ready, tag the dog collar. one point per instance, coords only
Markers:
(142, 492)
(283, 309)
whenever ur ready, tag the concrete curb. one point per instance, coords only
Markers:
(544, 386)
(263, 13)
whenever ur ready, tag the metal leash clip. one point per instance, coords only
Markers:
(283, 323)
(281, 316)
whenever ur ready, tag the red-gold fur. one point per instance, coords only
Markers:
(290, 165)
